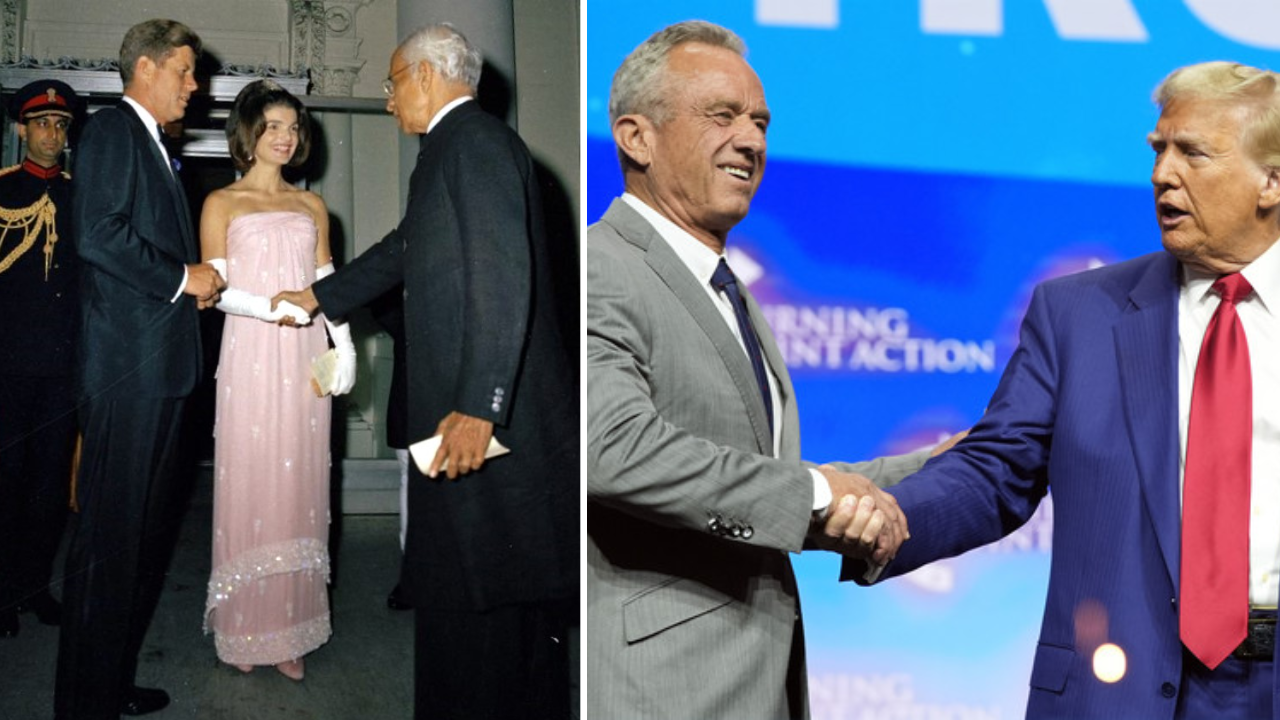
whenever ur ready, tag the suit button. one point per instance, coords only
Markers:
(713, 525)
(495, 407)
(1168, 690)
(747, 532)
(735, 530)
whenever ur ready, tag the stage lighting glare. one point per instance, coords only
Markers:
(1109, 663)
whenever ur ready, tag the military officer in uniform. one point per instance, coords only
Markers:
(39, 307)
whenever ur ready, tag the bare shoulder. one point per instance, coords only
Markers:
(315, 205)
(218, 201)
(314, 201)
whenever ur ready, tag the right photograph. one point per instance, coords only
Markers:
(931, 358)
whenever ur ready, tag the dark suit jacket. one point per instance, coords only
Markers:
(388, 311)
(488, 310)
(1088, 409)
(134, 236)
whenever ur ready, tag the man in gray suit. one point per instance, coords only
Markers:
(696, 489)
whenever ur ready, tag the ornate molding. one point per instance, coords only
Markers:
(325, 44)
(26, 62)
(9, 43)
(98, 77)
(322, 35)
(307, 18)
(335, 81)
(339, 20)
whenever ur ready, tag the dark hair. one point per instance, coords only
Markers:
(156, 39)
(248, 120)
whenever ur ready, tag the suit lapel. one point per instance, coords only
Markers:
(1146, 339)
(669, 268)
(787, 415)
(170, 180)
(184, 218)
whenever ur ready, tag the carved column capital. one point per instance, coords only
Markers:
(325, 42)
(335, 81)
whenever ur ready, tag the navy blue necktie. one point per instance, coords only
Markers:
(723, 279)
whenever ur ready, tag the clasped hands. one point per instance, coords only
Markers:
(205, 283)
(304, 299)
(862, 522)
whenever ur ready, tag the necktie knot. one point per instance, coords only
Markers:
(723, 276)
(1233, 288)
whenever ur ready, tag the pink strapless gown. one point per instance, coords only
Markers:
(268, 600)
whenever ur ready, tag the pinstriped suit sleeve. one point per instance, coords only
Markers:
(886, 471)
(660, 416)
(990, 484)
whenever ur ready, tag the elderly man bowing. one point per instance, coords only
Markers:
(491, 555)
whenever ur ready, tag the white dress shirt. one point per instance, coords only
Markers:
(1261, 323)
(435, 119)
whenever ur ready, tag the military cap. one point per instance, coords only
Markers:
(41, 98)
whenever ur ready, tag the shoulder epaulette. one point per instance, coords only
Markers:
(10, 169)
(66, 175)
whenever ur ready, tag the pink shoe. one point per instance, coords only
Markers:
(292, 669)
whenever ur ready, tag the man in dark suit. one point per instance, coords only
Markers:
(1114, 403)
(38, 311)
(489, 309)
(142, 285)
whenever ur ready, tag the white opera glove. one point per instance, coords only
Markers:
(344, 377)
(241, 302)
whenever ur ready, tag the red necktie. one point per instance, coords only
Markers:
(1214, 610)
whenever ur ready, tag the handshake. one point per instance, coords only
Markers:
(863, 522)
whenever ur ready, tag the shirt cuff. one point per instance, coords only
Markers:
(821, 493)
(181, 287)
(873, 573)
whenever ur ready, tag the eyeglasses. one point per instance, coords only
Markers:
(389, 85)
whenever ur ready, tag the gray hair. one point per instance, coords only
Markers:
(448, 52)
(1232, 84)
(639, 83)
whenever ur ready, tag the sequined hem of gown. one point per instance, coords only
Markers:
(251, 574)
(268, 592)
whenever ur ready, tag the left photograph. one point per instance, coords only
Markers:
(290, 359)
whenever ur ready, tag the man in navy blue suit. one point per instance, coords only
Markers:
(1097, 406)
(142, 284)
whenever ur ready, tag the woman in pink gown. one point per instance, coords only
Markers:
(268, 596)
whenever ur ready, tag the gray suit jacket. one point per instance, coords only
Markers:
(692, 604)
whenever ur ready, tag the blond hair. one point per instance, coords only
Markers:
(1254, 90)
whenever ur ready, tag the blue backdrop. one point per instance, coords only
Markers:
(929, 163)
